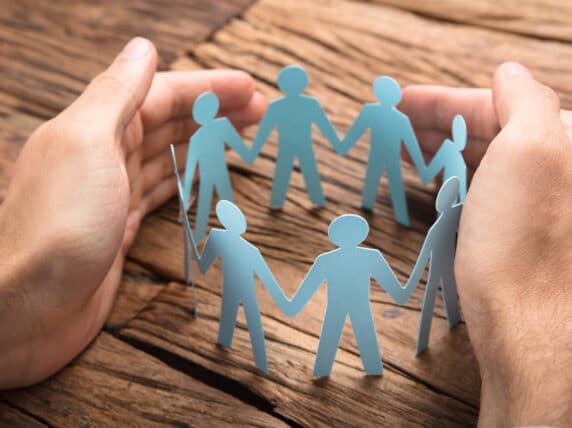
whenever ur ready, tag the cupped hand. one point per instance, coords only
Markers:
(514, 252)
(80, 189)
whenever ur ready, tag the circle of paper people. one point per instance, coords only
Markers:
(347, 270)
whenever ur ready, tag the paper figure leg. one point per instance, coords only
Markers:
(329, 342)
(206, 191)
(284, 166)
(366, 337)
(312, 178)
(254, 324)
(398, 194)
(451, 300)
(372, 177)
(228, 313)
(223, 188)
(427, 312)
(463, 187)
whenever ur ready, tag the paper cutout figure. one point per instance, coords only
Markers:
(240, 262)
(187, 234)
(449, 158)
(294, 115)
(439, 251)
(347, 271)
(207, 152)
(389, 127)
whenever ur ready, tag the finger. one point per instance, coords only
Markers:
(182, 128)
(115, 95)
(522, 100)
(173, 93)
(155, 170)
(159, 195)
(436, 106)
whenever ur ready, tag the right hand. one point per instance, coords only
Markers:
(514, 253)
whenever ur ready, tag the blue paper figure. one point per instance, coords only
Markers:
(389, 127)
(240, 262)
(294, 115)
(347, 271)
(187, 235)
(207, 152)
(450, 158)
(439, 250)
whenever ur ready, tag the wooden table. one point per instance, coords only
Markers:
(154, 363)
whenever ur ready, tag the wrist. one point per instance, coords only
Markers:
(24, 269)
(528, 381)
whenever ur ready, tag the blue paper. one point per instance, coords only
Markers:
(293, 115)
(207, 152)
(449, 158)
(439, 251)
(347, 272)
(241, 261)
(389, 128)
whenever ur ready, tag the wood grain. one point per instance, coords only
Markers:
(113, 384)
(177, 375)
(347, 398)
(546, 19)
(51, 50)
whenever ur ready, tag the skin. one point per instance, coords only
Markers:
(80, 189)
(85, 180)
(516, 301)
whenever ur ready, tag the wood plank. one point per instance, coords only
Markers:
(546, 19)
(14, 418)
(273, 34)
(343, 55)
(290, 245)
(113, 384)
(347, 398)
(138, 287)
(50, 50)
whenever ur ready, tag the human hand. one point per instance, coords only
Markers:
(514, 253)
(80, 188)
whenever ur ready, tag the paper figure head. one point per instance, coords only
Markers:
(448, 194)
(348, 230)
(387, 90)
(231, 217)
(205, 108)
(292, 80)
(459, 132)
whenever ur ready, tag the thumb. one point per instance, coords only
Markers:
(114, 96)
(519, 98)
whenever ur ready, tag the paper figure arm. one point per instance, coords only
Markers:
(325, 126)
(267, 278)
(234, 140)
(437, 164)
(314, 278)
(190, 167)
(358, 128)
(266, 126)
(386, 278)
(209, 253)
(412, 145)
(418, 269)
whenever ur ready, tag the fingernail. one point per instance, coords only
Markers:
(137, 48)
(514, 69)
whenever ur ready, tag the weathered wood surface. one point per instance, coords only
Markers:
(114, 384)
(548, 19)
(51, 50)
(155, 364)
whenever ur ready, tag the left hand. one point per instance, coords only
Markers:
(80, 189)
